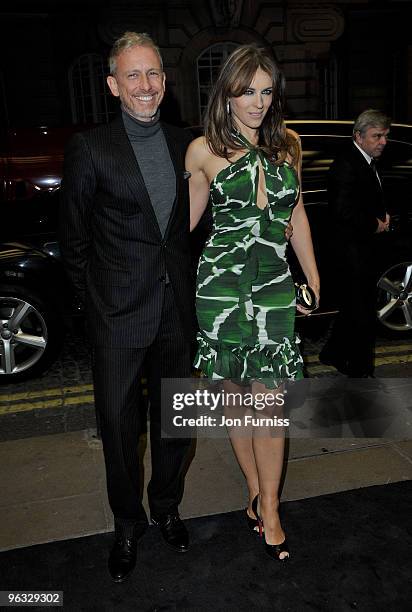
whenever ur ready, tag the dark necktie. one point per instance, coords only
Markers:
(373, 166)
(381, 208)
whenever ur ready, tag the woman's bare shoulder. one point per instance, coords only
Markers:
(199, 155)
(199, 147)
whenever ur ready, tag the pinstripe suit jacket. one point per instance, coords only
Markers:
(110, 241)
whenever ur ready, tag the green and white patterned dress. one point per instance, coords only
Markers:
(245, 297)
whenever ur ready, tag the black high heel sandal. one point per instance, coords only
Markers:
(273, 550)
(252, 523)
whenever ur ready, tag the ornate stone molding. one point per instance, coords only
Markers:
(226, 13)
(315, 24)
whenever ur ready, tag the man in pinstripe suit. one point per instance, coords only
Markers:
(125, 241)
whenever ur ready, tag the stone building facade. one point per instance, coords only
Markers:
(338, 57)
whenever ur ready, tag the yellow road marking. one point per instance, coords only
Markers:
(393, 359)
(55, 403)
(27, 395)
(319, 369)
(394, 348)
(378, 350)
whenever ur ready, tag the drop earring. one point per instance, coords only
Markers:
(228, 107)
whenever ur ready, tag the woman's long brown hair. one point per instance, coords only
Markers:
(234, 79)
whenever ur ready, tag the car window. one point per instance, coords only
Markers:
(397, 157)
(395, 168)
(319, 151)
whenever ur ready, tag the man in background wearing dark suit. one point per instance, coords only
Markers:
(124, 233)
(359, 216)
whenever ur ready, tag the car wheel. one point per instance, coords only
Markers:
(30, 335)
(395, 297)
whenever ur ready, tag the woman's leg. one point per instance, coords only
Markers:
(268, 449)
(242, 442)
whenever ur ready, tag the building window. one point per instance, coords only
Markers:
(208, 65)
(90, 98)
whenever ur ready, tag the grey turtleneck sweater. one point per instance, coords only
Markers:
(152, 155)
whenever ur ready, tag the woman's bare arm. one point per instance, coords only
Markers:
(302, 238)
(198, 182)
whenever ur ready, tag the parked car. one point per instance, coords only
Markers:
(36, 301)
(35, 295)
(321, 142)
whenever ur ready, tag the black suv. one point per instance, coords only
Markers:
(35, 295)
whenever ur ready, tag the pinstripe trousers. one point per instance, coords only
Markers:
(116, 374)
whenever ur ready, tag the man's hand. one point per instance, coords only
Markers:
(289, 231)
(383, 226)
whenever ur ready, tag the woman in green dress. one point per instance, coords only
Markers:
(248, 165)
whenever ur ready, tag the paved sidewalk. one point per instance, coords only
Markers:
(53, 486)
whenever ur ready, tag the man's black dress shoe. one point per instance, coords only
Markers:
(122, 559)
(173, 531)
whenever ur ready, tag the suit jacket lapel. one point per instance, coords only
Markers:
(364, 164)
(175, 151)
(375, 188)
(129, 166)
